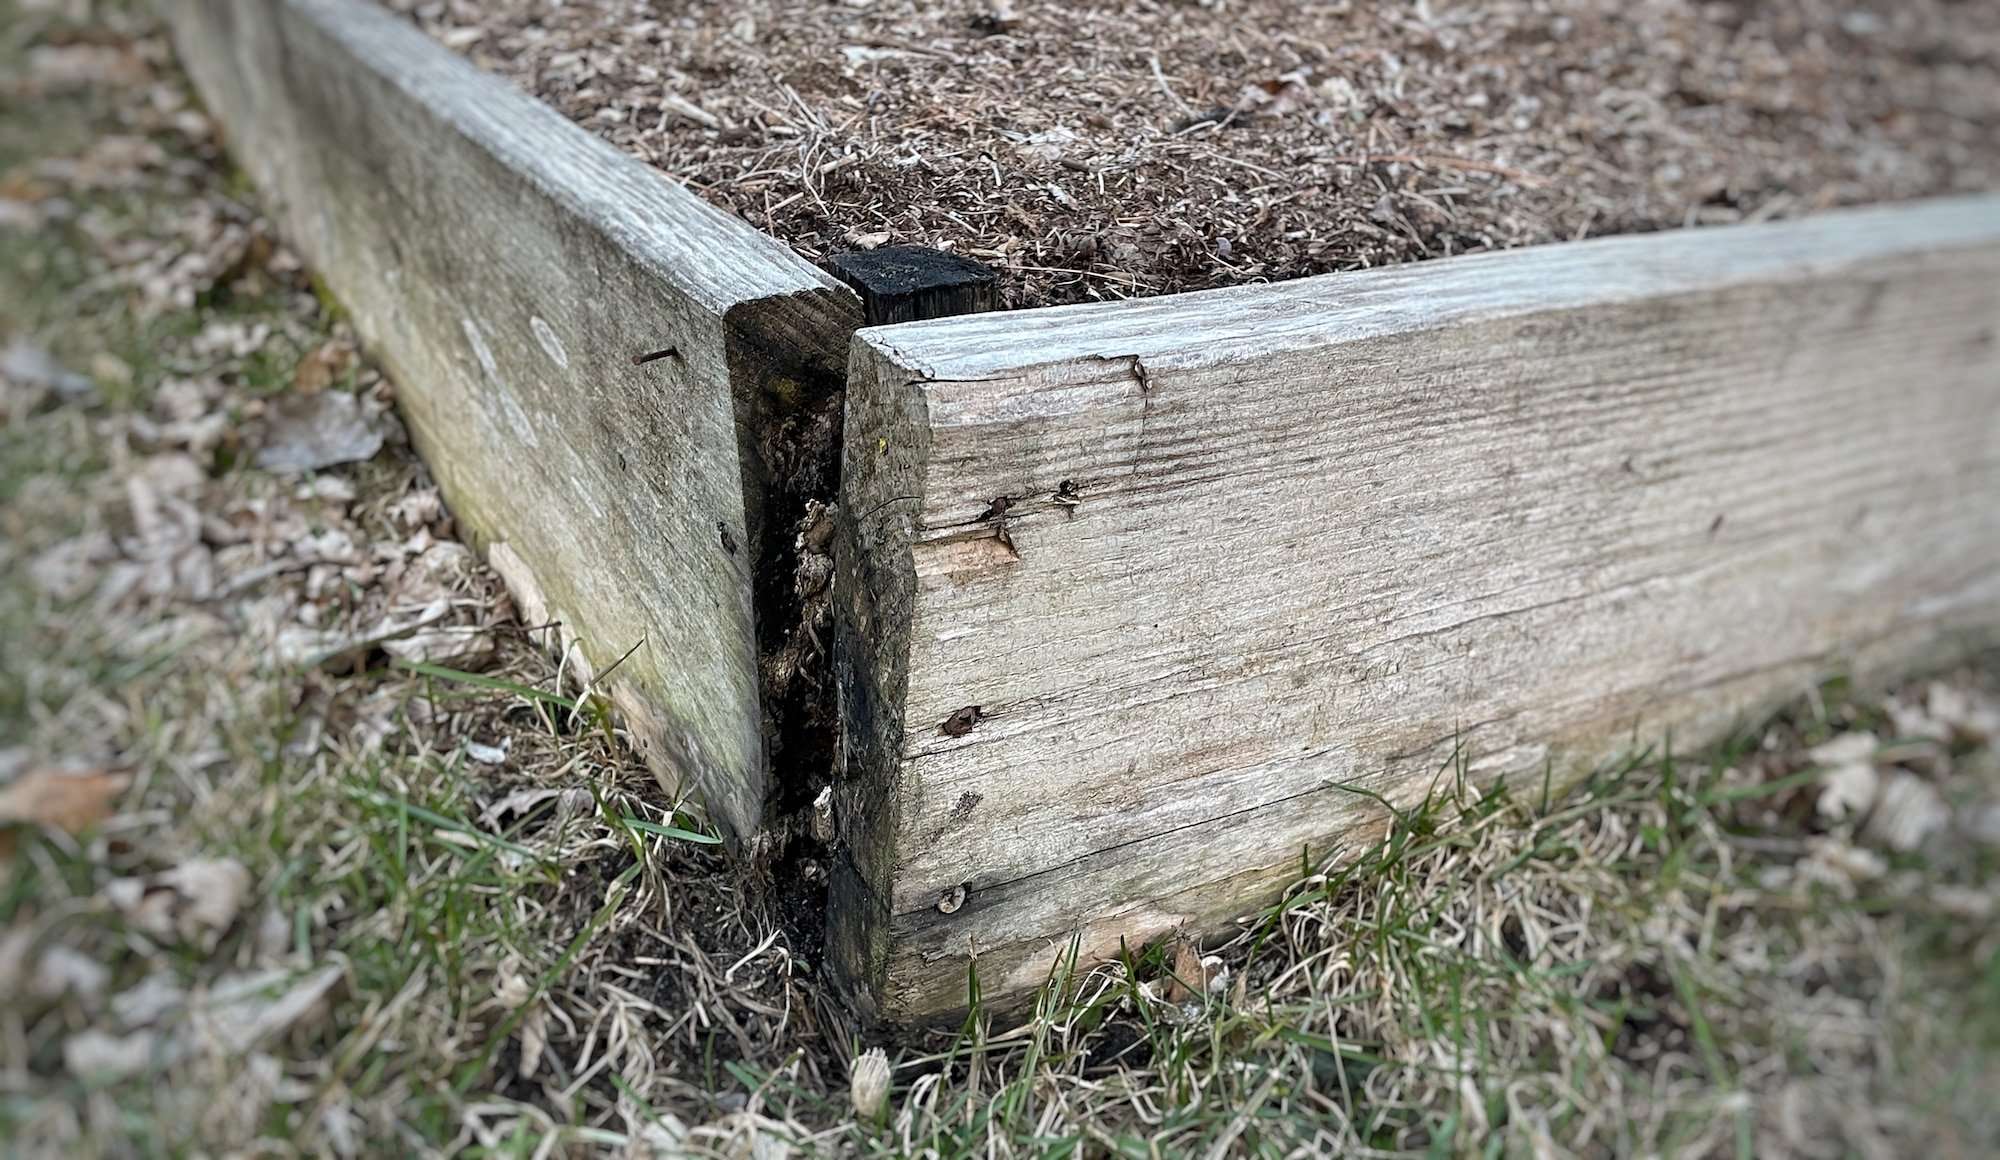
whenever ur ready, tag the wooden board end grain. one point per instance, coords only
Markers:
(1145, 606)
(917, 283)
(611, 380)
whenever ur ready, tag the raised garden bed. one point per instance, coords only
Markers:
(1135, 608)
(1124, 148)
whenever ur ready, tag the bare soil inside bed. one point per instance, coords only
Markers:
(1137, 147)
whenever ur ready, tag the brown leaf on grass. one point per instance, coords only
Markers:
(534, 1040)
(1188, 978)
(323, 367)
(64, 800)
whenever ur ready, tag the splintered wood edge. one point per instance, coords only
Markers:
(1023, 371)
(586, 352)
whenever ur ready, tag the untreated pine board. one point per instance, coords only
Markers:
(612, 381)
(1143, 606)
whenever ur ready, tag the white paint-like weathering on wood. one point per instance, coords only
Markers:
(480, 351)
(551, 345)
(520, 424)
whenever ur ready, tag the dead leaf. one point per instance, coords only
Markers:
(232, 338)
(1845, 749)
(1970, 717)
(517, 804)
(1907, 813)
(453, 646)
(310, 432)
(1848, 790)
(1835, 862)
(323, 367)
(70, 801)
(214, 889)
(308, 647)
(419, 509)
(241, 1011)
(65, 972)
(100, 1057)
(534, 1038)
(511, 989)
(1275, 97)
(195, 902)
(1189, 977)
(148, 1001)
(69, 569)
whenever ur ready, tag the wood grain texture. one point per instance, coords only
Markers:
(1274, 551)
(508, 268)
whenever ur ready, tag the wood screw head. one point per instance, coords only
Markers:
(951, 900)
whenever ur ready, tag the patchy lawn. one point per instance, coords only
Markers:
(310, 847)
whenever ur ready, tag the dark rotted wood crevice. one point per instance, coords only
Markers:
(790, 422)
(917, 283)
(792, 411)
(806, 858)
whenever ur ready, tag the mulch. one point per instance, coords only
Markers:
(1135, 147)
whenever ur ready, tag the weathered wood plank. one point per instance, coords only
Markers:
(509, 268)
(1268, 552)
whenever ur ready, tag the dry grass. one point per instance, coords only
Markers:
(1116, 148)
(355, 868)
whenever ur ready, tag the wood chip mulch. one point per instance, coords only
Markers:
(1135, 147)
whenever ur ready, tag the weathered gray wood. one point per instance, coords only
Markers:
(509, 268)
(1270, 552)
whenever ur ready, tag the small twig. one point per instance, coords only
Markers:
(909, 47)
(1160, 79)
(1440, 161)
